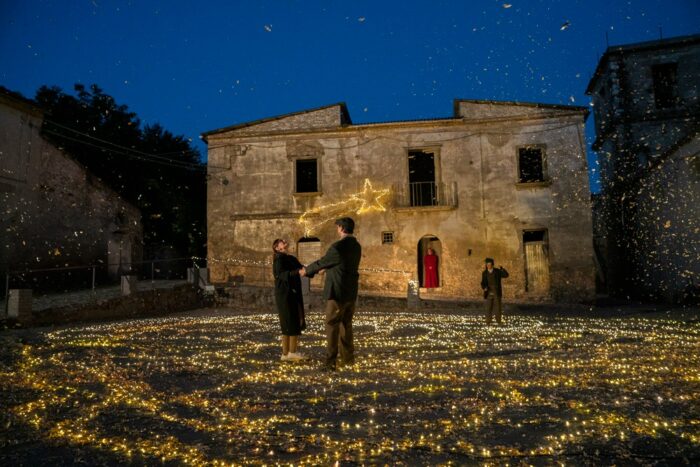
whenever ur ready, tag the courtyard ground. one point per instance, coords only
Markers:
(429, 387)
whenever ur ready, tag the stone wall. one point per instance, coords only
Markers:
(156, 302)
(328, 117)
(478, 159)
(666, 223)
(632, 135)
(55, 213)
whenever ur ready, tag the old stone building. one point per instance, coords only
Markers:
(497, 179)
(647, 119)
(54, 212)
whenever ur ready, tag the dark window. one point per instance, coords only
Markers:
(665, 85)
(421, 178)
(307, 176)
(387, 237)
(533, 236)
(531, 165)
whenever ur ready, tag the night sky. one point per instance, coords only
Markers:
(198, 66)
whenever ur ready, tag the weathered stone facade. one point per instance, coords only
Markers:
(647, 115)
(54, 212)
(666, 217)
(475, 203)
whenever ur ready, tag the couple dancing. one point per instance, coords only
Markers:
(340, 264)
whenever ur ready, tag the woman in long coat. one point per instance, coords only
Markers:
(288, 298)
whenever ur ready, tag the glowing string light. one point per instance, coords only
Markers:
(367, 200)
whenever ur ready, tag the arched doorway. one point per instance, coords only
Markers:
(308, 249)
(429, 241)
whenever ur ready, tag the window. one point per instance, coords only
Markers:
(387, 237)
(531, 166)
(665, 80)
(306, 176)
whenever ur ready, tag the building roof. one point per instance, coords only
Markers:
(20, 102)
(575, 108)
(345, 117)
(639, 47)
(658, 160)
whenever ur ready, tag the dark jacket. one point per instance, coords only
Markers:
(499, 273)
(288, 294)
(341, 263)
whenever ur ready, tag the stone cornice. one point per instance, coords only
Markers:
(265, 216)
(437, 125)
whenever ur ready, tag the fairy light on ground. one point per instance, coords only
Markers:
(429, 387)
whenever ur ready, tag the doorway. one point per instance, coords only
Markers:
(434, 243)
(421, 178)
(535, 245)
(308, 251)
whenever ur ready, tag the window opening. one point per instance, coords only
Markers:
(531, 165)
(387, 237)
(307, 176)
(665, 84)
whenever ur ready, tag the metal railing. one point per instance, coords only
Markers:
(425, 194)
(91, 278)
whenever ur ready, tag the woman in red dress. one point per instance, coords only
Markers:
(430, 262)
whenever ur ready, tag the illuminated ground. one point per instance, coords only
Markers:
(428, 388)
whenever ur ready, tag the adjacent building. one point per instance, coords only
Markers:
(505, 180)
(55, 213)
(647, 117)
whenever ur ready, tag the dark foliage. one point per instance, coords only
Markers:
(156, 171)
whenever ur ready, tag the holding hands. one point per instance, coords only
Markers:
(302, 272)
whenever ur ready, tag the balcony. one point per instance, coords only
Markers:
(425, 196)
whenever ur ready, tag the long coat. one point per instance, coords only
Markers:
(431, 271)
(499, 273)
(288, 296)
(341, 262)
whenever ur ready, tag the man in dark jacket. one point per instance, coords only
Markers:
(340, 291)
(491, 283)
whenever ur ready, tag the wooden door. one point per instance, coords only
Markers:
(536, 268)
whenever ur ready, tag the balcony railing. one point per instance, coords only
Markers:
(425, 194)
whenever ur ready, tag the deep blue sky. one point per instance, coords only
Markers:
(197, 66)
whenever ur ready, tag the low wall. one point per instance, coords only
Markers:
(261, 298)
(155, 302)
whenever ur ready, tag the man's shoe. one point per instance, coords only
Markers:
(285, 358)
(327, 369)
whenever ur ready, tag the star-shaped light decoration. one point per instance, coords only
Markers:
(370, 199)
(367, 200)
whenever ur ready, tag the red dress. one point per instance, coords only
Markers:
(431, 271)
